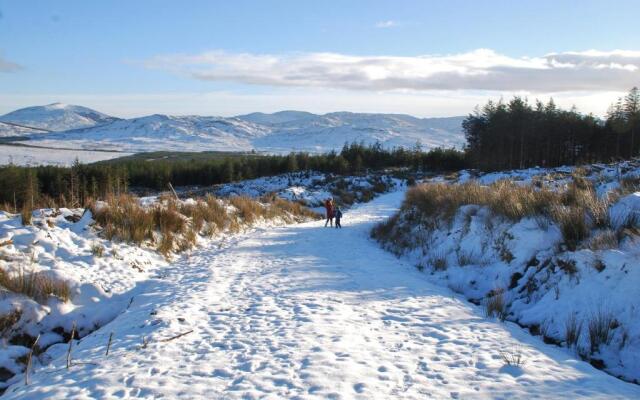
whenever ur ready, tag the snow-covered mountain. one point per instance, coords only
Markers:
(52, 117)
(161, 132)
(285, 131)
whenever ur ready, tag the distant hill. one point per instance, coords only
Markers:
(53, 117)
(284, 131)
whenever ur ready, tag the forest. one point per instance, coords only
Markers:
(517, 134)
(78, 185)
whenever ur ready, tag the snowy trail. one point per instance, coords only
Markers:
(310, 312)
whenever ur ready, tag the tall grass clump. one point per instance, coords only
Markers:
(572, 330)
(122, 217)
(600, 326)
(247, 209)
(495, 305)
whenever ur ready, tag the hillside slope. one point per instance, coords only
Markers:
(555, 250)
(57, 117)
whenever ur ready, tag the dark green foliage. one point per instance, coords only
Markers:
(518, 134)
(78, 185)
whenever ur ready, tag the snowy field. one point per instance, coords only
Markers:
(22, 155)
(308, 312)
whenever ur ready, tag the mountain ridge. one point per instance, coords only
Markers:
(278, 132)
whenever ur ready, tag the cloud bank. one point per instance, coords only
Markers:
(481, 69)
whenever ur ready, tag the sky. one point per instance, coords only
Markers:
(424, 58)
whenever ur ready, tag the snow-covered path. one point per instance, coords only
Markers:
(310, 312)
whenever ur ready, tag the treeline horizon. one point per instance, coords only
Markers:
(79, 184)
(517, 134)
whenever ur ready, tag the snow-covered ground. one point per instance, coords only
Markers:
(24, 155)
(313, 188)
(546, 285)
(305, 311)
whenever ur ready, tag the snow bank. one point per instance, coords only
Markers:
(544, 285)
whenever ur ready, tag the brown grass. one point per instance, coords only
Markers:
(576, 210)
(27, 214)
(36, 285)
(495, 305)
(604, 240)
(178, 225)
(247, 209)
(8, 320)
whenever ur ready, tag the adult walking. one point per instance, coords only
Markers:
(328, 205)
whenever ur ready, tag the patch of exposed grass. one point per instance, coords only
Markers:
(36, 285)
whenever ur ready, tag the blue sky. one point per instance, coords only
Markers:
(427, 58)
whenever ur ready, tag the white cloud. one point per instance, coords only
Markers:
(481, 69)
(386, 24)
(8, 66)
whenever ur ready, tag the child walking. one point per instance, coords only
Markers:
(337, 216)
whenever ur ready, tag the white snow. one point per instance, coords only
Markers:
(274, 133)
(309, 312)
(25, 155)
(57, 117)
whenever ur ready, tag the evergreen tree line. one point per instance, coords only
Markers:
(517, 134)
(79, 184)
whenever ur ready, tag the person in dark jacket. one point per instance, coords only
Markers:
(328, 205)
(338, 215)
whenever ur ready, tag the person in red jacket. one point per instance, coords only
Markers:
(328, 205)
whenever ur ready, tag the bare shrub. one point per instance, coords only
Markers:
(495, 304)
(36, 285)
(600, 325)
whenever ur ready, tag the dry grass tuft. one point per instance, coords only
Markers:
(513, 357)
(36, 285)
(495, 304)
(8, 320)
(600, 326)
(27, 215)
(572, 330)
